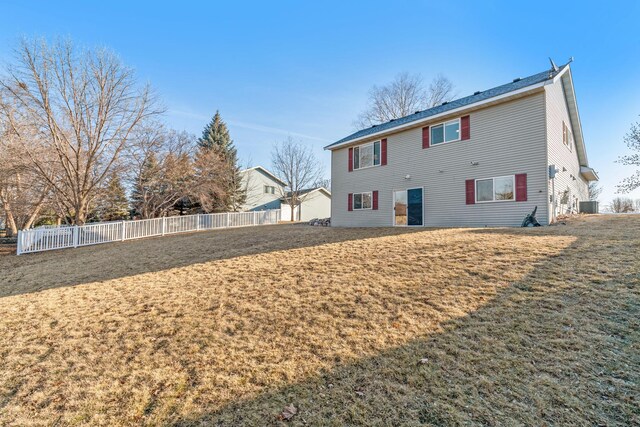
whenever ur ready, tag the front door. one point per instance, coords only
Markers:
(407, 207)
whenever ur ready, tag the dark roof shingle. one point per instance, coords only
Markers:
(461, 102)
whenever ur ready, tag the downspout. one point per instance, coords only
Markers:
(553, 199)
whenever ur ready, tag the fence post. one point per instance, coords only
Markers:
(19, 248)
(75, 236)
(255, 217)
(198, 222)
(227, 220)
(163, 222)
(124, 224)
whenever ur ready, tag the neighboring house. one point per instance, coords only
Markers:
(263, 188)
(316, 204)
(266, 191)
(482, 160)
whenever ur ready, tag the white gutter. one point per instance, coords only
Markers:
(327, 192)
(445, 113)
(589, 173)
(574, 114)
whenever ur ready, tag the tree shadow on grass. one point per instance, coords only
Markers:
(69, 267)
(558, 347)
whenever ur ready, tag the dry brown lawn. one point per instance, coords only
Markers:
(375, 327)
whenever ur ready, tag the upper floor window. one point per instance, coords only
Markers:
(269, 189)
(497, 189)
(366, 155)
(445, 132)
(567, 136)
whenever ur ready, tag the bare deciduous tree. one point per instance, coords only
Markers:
(632, 139)
(83, 106)
(298, 168)
(621, 205)
(440, 90)
(323, 182)
(405, 95)
(23, 192)
(594, 190)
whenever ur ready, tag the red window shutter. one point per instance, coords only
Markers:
(521, 187)
(471, 191)
(350, 202)
(374, 203)
(383, 152)
(351, 159)
(425, 137)
(465, 128)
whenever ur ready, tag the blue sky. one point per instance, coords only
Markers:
(304, 68)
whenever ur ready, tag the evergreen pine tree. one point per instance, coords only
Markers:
(112, 205)
(215, 136)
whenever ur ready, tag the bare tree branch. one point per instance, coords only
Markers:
(594, 190)
(632, 139)
(405, 95)
(83, 105)
(621, 205)
(23, 192)
(298, 168)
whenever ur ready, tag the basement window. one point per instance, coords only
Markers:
(499, 189)
(362, 201)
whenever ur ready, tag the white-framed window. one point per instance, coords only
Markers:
(445, 132)
(269, 189)
(366, 155)
(567, 136)
(498, 189)
(362, 201)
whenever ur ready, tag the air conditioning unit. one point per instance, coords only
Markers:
(589, 207)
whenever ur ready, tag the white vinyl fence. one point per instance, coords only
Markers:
(50, 238)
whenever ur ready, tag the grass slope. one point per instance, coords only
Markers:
(376, 327)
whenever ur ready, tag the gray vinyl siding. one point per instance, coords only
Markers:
(316, 205)
(564, 158)
(506, 139)
(253, 180)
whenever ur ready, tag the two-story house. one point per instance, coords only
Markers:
(263, 189)
(483, 160)
(266, 191)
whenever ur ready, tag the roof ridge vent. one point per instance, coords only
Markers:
(417, 112)
(478, 92)
(391, 120)
(445, 103)
(517, 79)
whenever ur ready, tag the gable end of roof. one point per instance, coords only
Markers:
(265, 172)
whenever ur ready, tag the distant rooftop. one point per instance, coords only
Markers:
(308, 190)
(516, 84)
